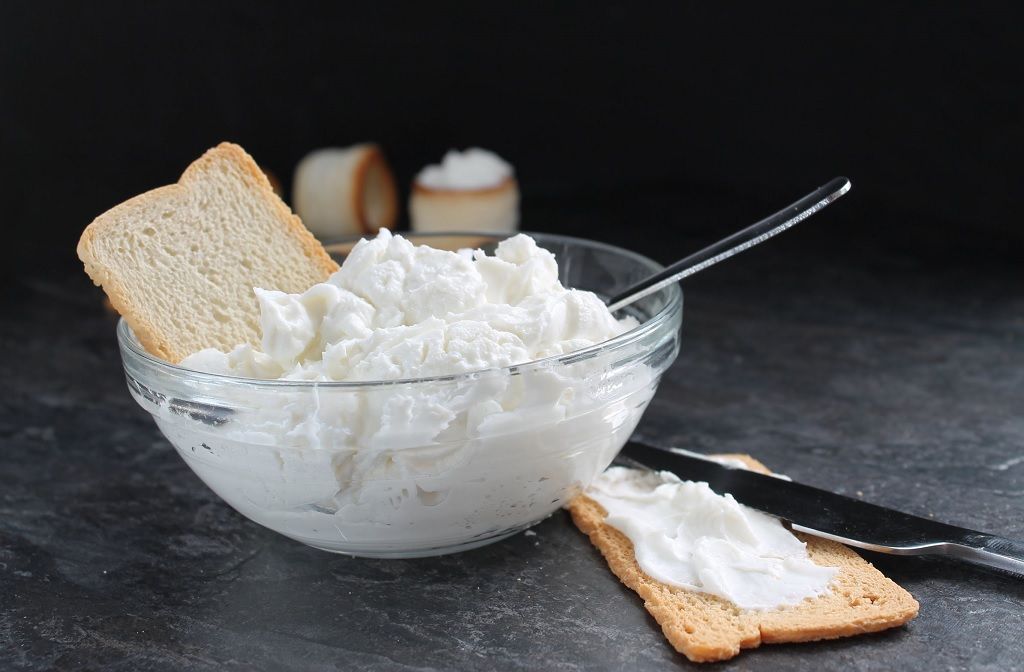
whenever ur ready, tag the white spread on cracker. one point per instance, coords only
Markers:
(684, 534)
(472, 169)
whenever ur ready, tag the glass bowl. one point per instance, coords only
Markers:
(406, 468)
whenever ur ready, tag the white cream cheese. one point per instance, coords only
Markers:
(409, 467)
(472, 169)
(686, 535)
(397, 310)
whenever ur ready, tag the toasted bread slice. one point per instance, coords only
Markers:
(180, 262)
(707, 628)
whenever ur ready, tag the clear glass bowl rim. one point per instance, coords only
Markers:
(131, 346)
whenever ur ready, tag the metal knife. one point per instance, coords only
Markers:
(836, 517)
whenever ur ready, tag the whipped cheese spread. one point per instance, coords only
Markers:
(686, 535)
(480, 451)
(398, 310)
(472, 169)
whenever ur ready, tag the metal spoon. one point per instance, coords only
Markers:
(810, 204)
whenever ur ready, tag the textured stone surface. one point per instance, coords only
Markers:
(883, 380)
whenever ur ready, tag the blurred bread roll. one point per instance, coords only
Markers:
(345, 191)
(474, 190)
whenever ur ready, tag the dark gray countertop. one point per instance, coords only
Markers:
(887, 380)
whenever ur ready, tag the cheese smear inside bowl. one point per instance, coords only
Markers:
(421, 400)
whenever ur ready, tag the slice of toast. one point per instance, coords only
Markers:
(706, 628)
(180, 262)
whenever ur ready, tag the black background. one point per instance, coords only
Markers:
(660, 125)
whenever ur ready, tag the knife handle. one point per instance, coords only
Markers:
(989, 550)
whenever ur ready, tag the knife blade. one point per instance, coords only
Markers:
(832, 516)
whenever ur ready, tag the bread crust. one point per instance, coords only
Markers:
(707, 628)
(154, 339)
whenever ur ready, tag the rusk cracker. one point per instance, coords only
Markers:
(705, 627)
(180, 262)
